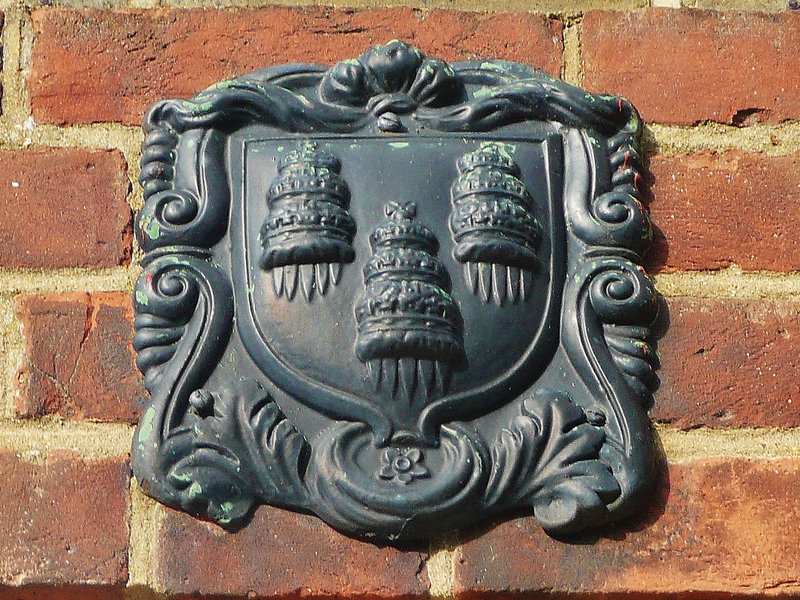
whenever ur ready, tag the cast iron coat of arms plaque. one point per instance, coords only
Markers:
(398, 294)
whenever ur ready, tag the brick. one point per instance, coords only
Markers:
(92, 65)
(2, 23)
(79, 363)
(64, 521)
(751, 5)
(687, 66)
(64, 207)
(280, 553)
(711, 211)
(730, 363)
(62, 592)
(715, 527)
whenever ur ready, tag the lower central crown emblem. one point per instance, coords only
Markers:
(409, 327)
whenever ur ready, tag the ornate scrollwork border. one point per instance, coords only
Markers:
(577, 460)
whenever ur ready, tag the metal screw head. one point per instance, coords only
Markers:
(202, 402)
(389, 121)
(595, 417)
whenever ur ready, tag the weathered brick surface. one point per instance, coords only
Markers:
(62, 592)
(280, 553)
(711, 211)
(687, 66)
(721, 526)
(79, 359)
(2, 23)
(111, 65)
(730, 363)
(63, 522)
(64, 207)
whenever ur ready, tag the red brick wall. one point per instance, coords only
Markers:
(720, 91)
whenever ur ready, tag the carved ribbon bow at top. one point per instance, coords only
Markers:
(395, 77)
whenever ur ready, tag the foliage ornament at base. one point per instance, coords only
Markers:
(401, 295)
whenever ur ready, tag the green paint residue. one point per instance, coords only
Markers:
(635, 125)
(482, 91)
(222, 85)
(151, 228)
(503, 148)
(490, 66)
(195, 490)
(146, 426)
(224, 514)
(398, 144)
(141, 298)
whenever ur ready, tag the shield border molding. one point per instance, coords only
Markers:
(578, 453)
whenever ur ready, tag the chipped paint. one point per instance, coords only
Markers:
(146, 425)
(141, 297)
(507, 149)
(150, 227)
(195, 491)
(492, 66)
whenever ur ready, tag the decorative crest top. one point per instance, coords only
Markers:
(395, 77)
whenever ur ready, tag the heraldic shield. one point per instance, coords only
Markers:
(398, 294)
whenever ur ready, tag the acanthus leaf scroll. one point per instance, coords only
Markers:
(399, 294)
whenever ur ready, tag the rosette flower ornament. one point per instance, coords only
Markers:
(402, 466)
(392, 79)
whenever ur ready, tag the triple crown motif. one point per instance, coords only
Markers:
(308, 234)
(493, 225)
(410, 330)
